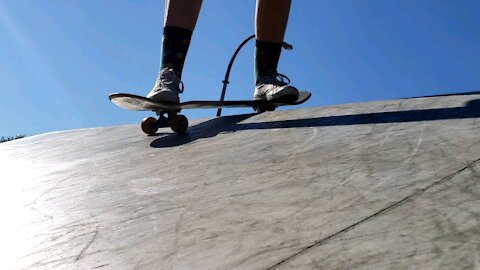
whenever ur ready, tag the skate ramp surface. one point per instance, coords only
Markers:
(377, 185)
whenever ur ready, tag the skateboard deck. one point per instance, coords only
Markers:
(139, 103)
(168, 112)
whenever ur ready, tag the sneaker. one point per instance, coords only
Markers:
(273, 87)
(167, 87)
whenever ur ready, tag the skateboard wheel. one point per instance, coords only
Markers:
(259, 109)
(149, 125)
(179, 123)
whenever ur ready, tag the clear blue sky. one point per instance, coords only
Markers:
(59, 60)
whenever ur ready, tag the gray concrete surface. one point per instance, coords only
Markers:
(378, 185)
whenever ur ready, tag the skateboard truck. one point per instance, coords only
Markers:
(177, 122)
(264, 108)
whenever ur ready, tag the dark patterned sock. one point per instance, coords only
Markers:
(175, 45)
(266, 58)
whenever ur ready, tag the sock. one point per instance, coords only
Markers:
(267, 55)
(175, 45)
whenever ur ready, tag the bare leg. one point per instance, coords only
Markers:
(182, 13)
(271, 20)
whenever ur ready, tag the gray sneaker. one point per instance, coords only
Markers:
(167, 87)
(274, 87)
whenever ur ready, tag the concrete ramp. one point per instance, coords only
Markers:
(378, 185)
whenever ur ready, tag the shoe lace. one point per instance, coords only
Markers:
(276, 78)
(167, 77)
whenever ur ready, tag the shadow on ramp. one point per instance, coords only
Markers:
(207, 129)
(215, 126)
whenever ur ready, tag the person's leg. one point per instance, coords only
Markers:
(271, 20)
(270, 23)
(180, 20)
(182, 13)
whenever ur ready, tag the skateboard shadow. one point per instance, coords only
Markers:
(207, 129)
(215, 126)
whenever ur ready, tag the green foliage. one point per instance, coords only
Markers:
(6, 139)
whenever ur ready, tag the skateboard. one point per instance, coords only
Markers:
(169, 113)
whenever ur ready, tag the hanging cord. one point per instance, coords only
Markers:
(225, 81)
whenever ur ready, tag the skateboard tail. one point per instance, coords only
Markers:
(136, 103)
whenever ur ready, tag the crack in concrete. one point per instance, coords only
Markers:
(82, 252)
(378, 213)
(100, 266)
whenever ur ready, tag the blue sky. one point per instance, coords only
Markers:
(59, 60)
